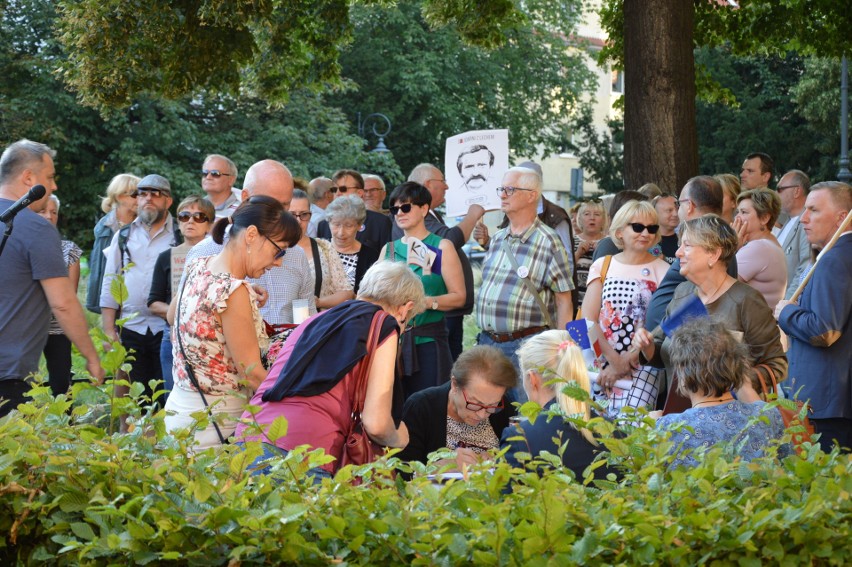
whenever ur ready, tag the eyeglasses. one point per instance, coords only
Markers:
(406, 208)
(197, 217)
(782, 187)
(509, 191)
(306, 216)
(214, 173)
(638, 227)
(373, 190)
(344, 189)
(281, 251)
(682, 201)
(479, 407)
(139, 193)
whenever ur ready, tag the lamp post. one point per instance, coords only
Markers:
(377, 120)
(844, 174)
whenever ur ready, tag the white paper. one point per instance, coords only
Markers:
(474, 166)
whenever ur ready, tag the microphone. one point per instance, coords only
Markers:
(33, 195)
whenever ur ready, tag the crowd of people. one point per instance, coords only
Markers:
(300, 296)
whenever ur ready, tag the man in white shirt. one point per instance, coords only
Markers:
(218, 174)
(793, 189)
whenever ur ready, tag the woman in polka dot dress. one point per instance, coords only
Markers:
(620, 302)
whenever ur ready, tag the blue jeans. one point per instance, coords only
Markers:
(263, 464)
(509, 348)
(166, 361)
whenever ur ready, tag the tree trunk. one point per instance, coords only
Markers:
(660, 140)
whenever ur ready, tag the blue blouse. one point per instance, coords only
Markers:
(733, 422)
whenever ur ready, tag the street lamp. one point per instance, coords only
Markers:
(378, 120)
(844, 174)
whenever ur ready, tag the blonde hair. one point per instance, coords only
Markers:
(392, 284)
(121, 184)
(594, 206)
(730, 185)
(624, 216)
(552, 354)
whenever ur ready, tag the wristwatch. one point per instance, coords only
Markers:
(434, 304)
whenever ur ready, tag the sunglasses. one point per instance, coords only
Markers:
(342, 189)
(406, 208)
(638, 227)
(214, 173)
(281, 251)
(197, 217)
(147, 193)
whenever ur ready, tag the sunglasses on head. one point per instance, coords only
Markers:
(214, 173)
(197, 217)
(638, 227)
(406, 208)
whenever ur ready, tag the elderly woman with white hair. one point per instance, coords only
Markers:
(313, 382)
(346, 216)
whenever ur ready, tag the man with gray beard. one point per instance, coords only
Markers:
(133, 252)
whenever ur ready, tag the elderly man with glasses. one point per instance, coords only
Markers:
(526, 282)
(218, 174)
(376, 230)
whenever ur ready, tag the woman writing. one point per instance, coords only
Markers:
(426, 348)
(617, 303)
(195, 216)
(346, 216)
(467, 414)
(710, 364)
(311, 383)
(708, 244)
(546, 357)
(761, 262)
(331, 287)
(217, 325)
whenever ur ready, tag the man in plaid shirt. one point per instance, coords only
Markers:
(507, 311)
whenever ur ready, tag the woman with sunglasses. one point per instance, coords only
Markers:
(467, 414)
(617, 301)
(195, 217)
(218, 327)
(331, 287)
(426, 358)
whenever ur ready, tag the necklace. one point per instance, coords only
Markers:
(726, 398)
(712, 297)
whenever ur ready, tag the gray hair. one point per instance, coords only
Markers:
(529, 178)
(707, 358)
(712, 233)
(227, 160)
(422, 173)
(55, 199)
(21, 155)
(392, 284)
(350, 207)
(318, 188)
(800, 178)
(376, 178)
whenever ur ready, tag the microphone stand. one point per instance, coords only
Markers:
(6, 234)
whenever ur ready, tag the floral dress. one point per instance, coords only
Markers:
(205, 295)
(625, 297)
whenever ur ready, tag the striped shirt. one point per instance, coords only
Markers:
(504, 304)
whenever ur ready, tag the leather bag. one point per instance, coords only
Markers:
(791, 417)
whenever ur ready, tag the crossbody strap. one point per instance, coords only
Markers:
(317, 268)
(188, 367)
(530, 287)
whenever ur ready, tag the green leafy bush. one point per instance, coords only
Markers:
(73, 492)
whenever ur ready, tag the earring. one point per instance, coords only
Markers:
(709, 264)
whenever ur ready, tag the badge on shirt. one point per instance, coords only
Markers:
(523, 272)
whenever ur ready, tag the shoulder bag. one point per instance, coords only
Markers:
(791, 417)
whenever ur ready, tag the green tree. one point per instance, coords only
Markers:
(432, 85)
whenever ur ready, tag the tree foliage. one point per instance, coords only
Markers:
(600, 152)
(432, 85)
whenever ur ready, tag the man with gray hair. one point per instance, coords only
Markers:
(374, 193)
(431, 177)
(33, 277)
(526, 286)
(319, 194)
(218, 174)
(132, 253)
(793, 189)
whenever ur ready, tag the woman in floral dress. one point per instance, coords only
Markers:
(619, 302)
(218, 324)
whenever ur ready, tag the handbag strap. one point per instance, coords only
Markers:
(188, 367)
(317, 268)
(360, 386)
(763, 385)
(530, 287)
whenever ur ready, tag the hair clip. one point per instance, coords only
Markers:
(563, 346)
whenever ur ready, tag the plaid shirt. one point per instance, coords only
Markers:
(504, 304)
